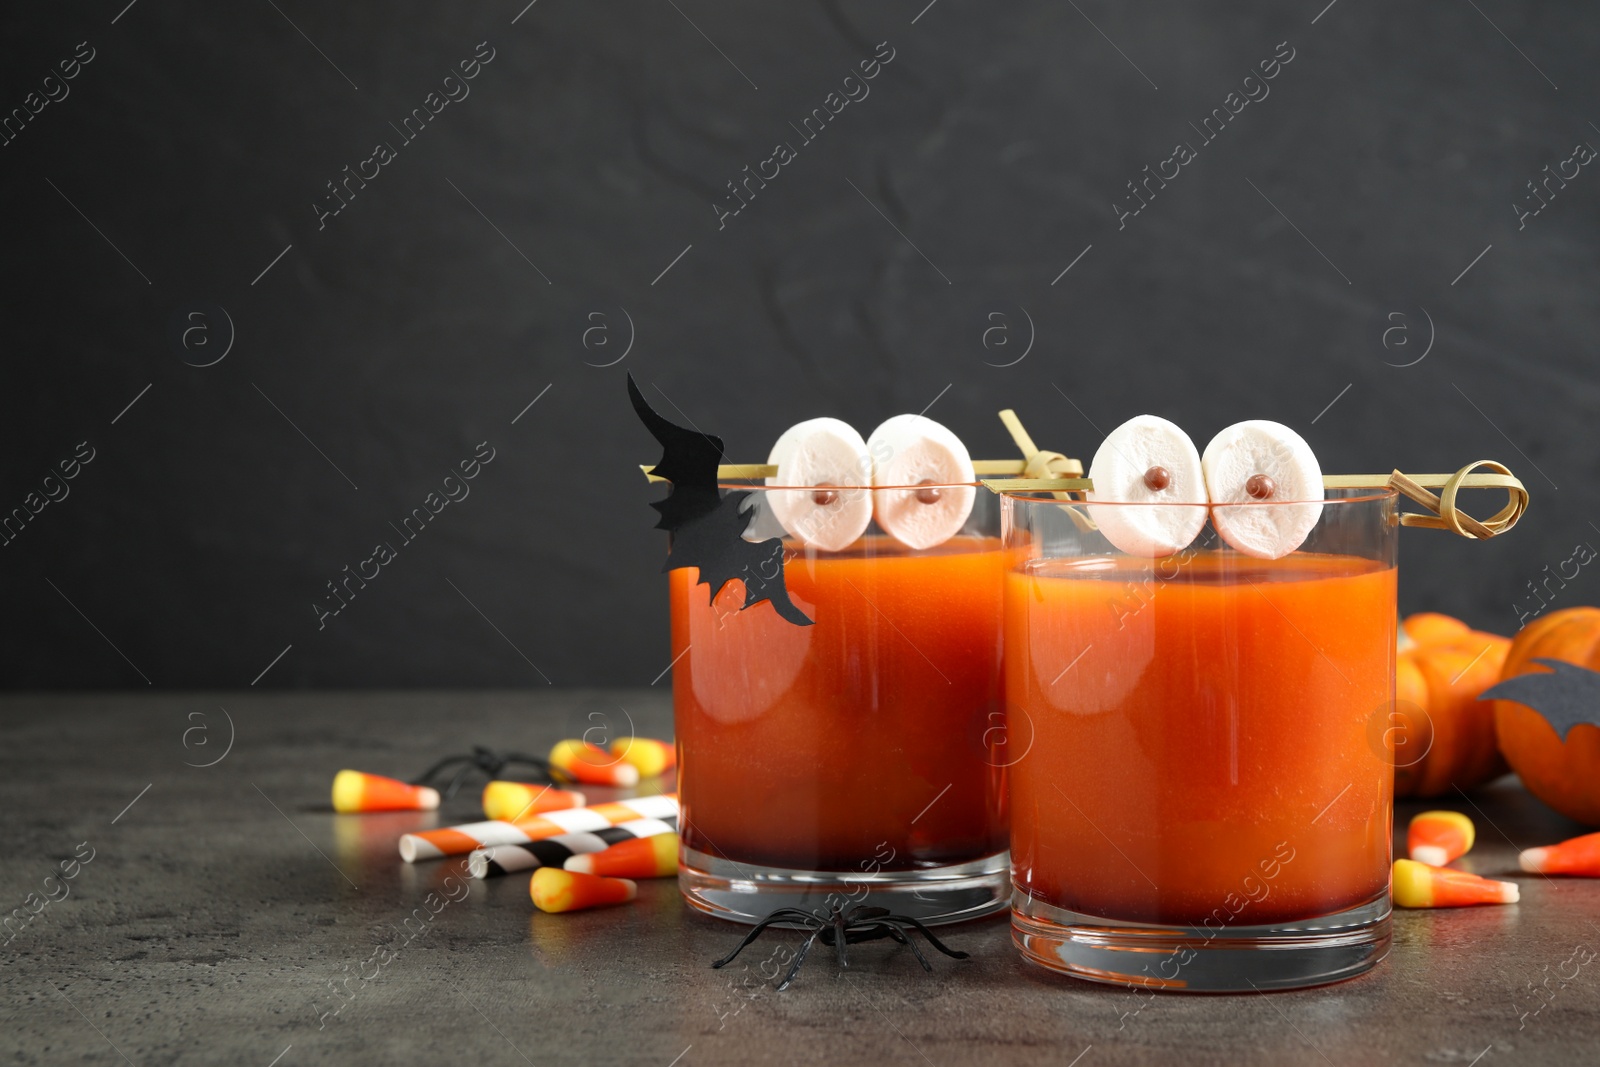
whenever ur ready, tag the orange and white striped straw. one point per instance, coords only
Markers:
(460, 840)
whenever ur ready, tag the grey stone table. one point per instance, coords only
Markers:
(217, 903)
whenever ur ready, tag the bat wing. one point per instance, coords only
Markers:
(707, 524)
(686, 505)
(714, 542)
(688, 457)
(1566, 696)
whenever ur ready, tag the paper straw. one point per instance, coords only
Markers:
(460, 840)
(502, 860)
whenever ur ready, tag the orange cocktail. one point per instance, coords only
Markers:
(1208, 748)
(860, 754)
(1162, 774)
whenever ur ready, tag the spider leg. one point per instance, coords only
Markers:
(796, 915)
(932, 940)
(780, 915)
(805, 920)
(455, 783)
(540, 765)
(755, 932)
(899, 934)
(841, 940)
(799, 958)
(422, 779)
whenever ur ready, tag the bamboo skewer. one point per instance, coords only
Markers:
(1061, 476)
(985, 468)
(1443, 512)
(1329, 481)
(1036, 463)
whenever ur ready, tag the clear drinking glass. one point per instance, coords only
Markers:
(1207, 801)
(857, 760)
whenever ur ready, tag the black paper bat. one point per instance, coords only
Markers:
(1568, 696)
(705, 524)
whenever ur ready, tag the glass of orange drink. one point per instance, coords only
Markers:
(858, 760)
(1206, 798)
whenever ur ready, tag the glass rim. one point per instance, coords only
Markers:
(761, 486)
(1047, 496)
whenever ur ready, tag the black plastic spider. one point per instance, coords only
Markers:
(842, 928)
(488, 761)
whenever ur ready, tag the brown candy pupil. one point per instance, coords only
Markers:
(823, 497)
(1260, 487)
(928, 494)
(1157, 478)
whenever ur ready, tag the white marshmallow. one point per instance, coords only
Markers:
(912, 450)
(1262, 526)
(1122, 471)
(822, 452)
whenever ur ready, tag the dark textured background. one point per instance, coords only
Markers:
(409, 329)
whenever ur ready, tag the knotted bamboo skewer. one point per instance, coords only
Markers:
(1041, 470)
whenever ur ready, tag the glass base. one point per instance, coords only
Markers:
(743, 893)
(1236, 959)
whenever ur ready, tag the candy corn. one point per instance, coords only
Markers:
(1417, 885)
(579, 761)
(1437, 837)
(520, 800)
(650, 756)
(643, 857)
(1580, 855)
(459, 840)
(500, 860)
(554, 889)
(354, 792)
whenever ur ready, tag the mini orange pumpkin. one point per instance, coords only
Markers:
(1437, 711)
(1410, 726)
(1563, 774)
(1432, 628)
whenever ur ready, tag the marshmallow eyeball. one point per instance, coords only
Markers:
(830, 455)
(913, 451)
(1254, 463)
(1147, 462)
